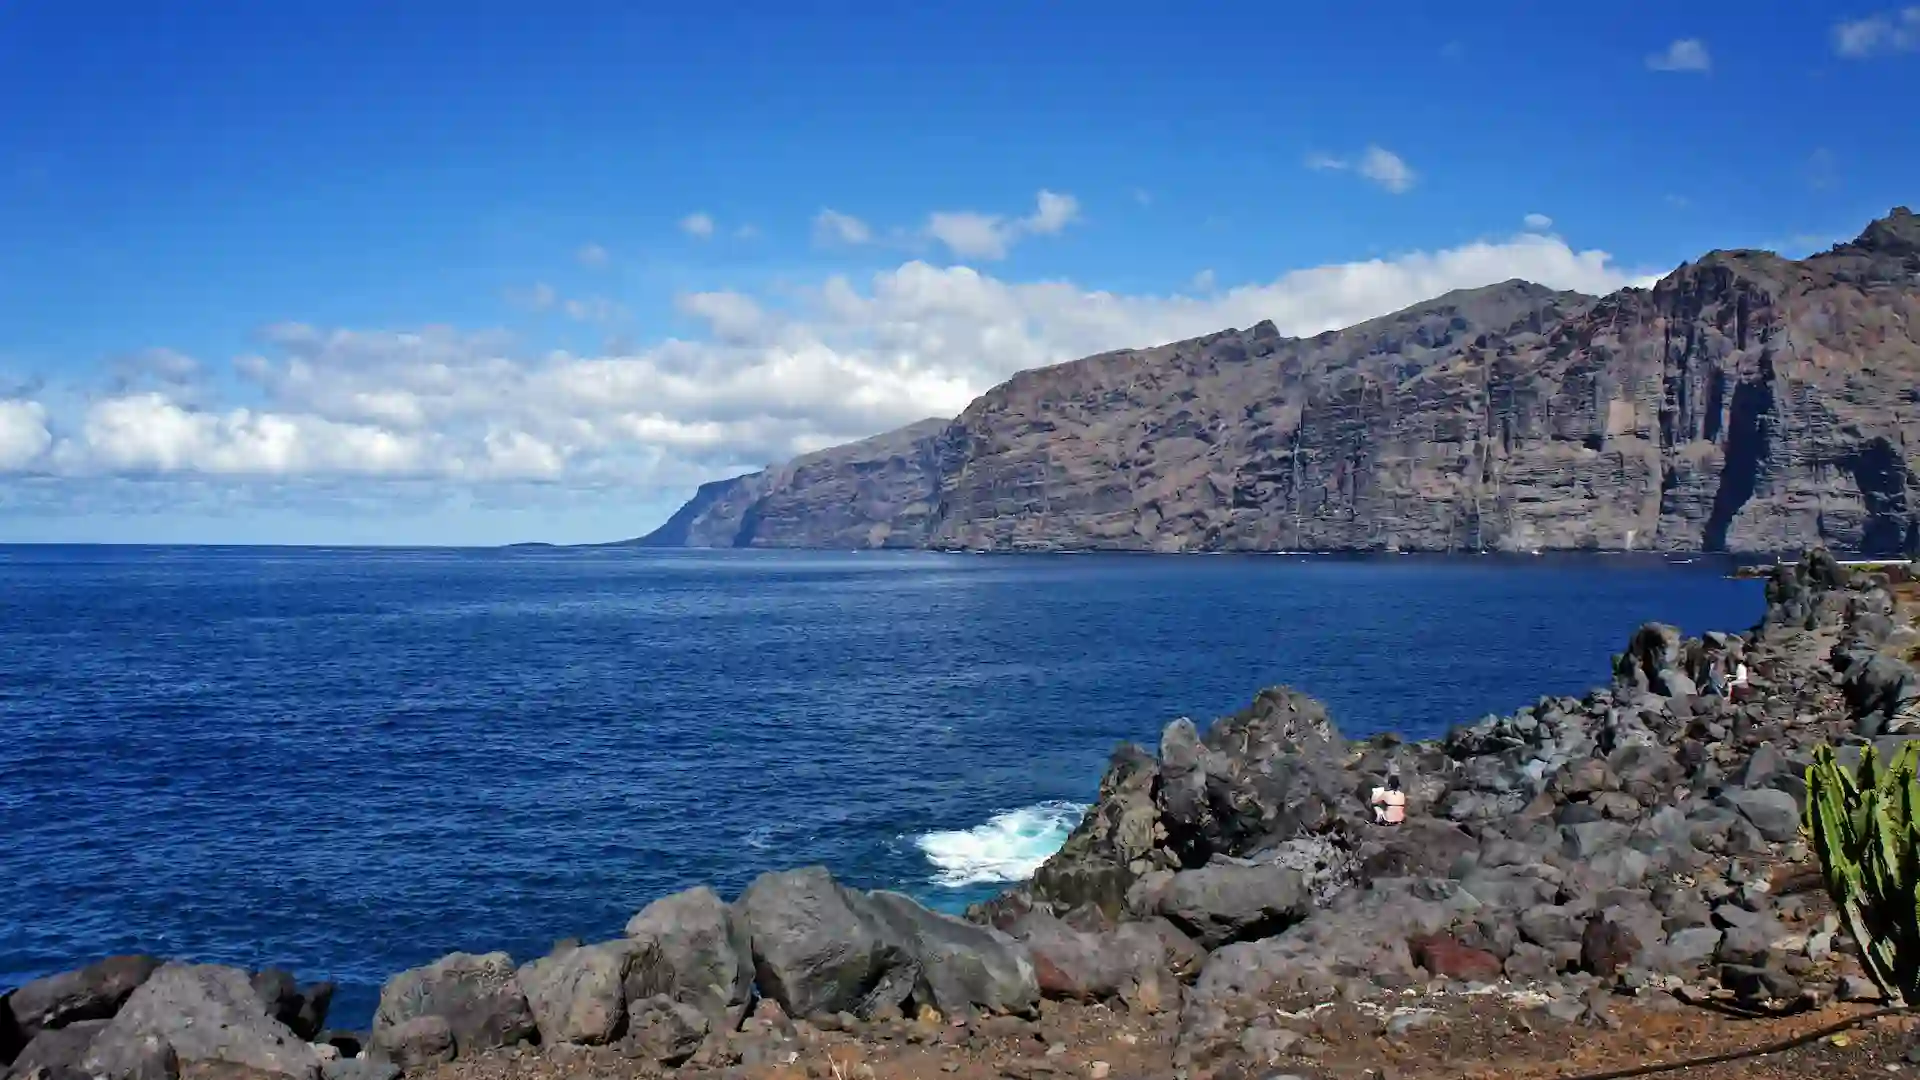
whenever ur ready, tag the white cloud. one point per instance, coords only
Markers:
(730, 315)
(834, 227)
(969, 234)
(1376, 163)
(1877, 35)
(1385, 168)
(1052, 213)
(834, 361)
(697, 225)
(1143, 196)
(1537, 222)
(23, 433)
(746, 232)
(152, 433)
(592, 255)
(1685, 54)
(390, 415)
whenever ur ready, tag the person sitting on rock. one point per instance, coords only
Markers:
(1389, 802)
(1717, 676)
(1738, 689)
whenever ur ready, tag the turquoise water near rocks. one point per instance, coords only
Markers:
(348, 762)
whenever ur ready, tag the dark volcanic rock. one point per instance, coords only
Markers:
(304, 1011)
(479, 997)
(668, 1031)
(692, 948)
(1637, 831)
(1222, 903)
(59, 1050)
(205, 1014)
(414, 1042)
(1745, 402)
(578, 994)
(93, 992)
(818, 948)
(963, 967)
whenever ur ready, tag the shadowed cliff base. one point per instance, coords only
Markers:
(1745, 403)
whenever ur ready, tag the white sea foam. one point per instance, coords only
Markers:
(1008, 847)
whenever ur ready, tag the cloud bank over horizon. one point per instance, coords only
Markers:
(394, 412)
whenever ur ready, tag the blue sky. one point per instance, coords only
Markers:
(407, 273)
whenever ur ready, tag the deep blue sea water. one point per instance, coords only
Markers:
(350, 762)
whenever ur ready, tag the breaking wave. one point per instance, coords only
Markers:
(1008, 847)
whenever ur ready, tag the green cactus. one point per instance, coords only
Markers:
(1865, 825)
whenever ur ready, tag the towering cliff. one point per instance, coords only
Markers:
(877, 492)
(1746, 402)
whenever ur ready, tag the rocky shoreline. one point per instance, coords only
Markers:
(1226, 906)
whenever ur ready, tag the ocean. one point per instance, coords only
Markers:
(349, 762)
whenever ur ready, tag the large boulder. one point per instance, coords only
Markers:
(1882, 691)
(206, 1014)
(59, 1050)
(478, 996)
(692, 948)
(1222, 902)
(304, 1010)
(577, 994)
(818, 948)
(963, 967)
(666, 1030)
(94, 992)
(1067, 963)
(1773, 812)
(413, 1043)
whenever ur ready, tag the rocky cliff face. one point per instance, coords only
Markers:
(1747, 402)
(875, 493)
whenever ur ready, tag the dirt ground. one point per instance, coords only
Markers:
(1463, 1037)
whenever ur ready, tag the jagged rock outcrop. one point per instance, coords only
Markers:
(1746, 402)
(1638, 834)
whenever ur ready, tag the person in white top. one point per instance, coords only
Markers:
(1738, 687)
(1389, 802)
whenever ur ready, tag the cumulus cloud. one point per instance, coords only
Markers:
(592, 255)
(1376, 163)
(151, 433)
(969, 234)
(23, 433)
(699, 226)
(764, 378)
(1537, 222)
(834, 227)
(1685, 54)
(1877, 35)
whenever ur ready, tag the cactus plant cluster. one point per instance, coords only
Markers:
(1864, 823)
